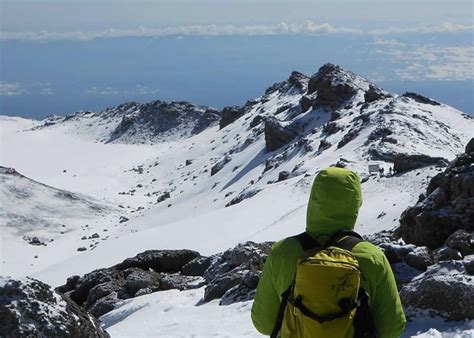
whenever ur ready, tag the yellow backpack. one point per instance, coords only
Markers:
(324, 296)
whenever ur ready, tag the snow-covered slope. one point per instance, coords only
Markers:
(185, 182)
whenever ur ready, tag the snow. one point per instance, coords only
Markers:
(72, 155)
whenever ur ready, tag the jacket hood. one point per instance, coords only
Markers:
(334, 201)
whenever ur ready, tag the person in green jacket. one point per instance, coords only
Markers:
(333, 206)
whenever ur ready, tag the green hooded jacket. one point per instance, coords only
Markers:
(333, 205)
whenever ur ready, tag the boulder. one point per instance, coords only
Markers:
(30, 308)
(283, 175)
(469, 264)
(446, 254)
(445, 288)
(420, 258)
(374, 93)
(229, 115)
(461, 240)
(277, 134)
(219, 165)
(405, 162)
(395, 252)
(196, 267)
(220, 285)
(88, 281)
(470, 146)
(136, 279)
(236, 294)
(159, 260)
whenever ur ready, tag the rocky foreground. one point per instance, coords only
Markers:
(432, 256)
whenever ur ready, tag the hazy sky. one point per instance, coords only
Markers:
(86, 15)
(59, 56)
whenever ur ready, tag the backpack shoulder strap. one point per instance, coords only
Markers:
(306, 241)
(345, 239)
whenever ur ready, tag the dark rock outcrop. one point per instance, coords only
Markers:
(30, 308)
(374, 93)
(448, 206)
(229, 115)
(332, 87)
(420, 258)
(420, 98)
(404, 162)
(277, 134)
(160, 260)
(219, 165)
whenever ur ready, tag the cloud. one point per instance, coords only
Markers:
(433, 62)
(11, 89)
(304, 28)
(101, 91)
(109, 91)
(43, 88)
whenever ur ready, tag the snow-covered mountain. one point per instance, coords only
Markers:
(186, 176)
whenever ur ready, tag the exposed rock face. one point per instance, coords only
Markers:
(219, 165)
(30, 308)
(158, 118)
(420, 98)
(420, 258)
(445, 288)
(374, 94)
(447, 207)
(404, 162)
(229, 115)
(160, 260)
(333, 86)
(277, 134)
(298, 80)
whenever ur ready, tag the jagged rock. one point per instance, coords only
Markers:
(461, 240)
(180, 282)
(160, 260)
(283, 175)
(404, 273)
(251, 279)
(374, 94)
(329, 83)
(163, 197)
(236, 294)
(351, 134)
(247, 252)
(298, 80)
(448, 206)
(229, 115)
(101, 290)
(446, 254)
(277, 134)
(380, 133)
(30, 308)
(404, 162)
(219, 165)
(243, 196)
(104, 305)
(323, 145)
(188, 162)
(420, 98)
(196, 267)
(70, 284)
(331, 128)
(444, 288)
(136, 279)
(158, 118)
(420, 258)
(85, 283)
(306, 102)
(256, 121)
(396, 253)
(219, 286)
(469, 264)
(470, 146)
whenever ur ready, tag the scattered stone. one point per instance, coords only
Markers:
(283, 175)
(163, 197)
(123, 219)
(81, 248)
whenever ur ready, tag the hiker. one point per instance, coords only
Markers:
(333, 207)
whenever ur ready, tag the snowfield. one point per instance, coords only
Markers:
(114, 199)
